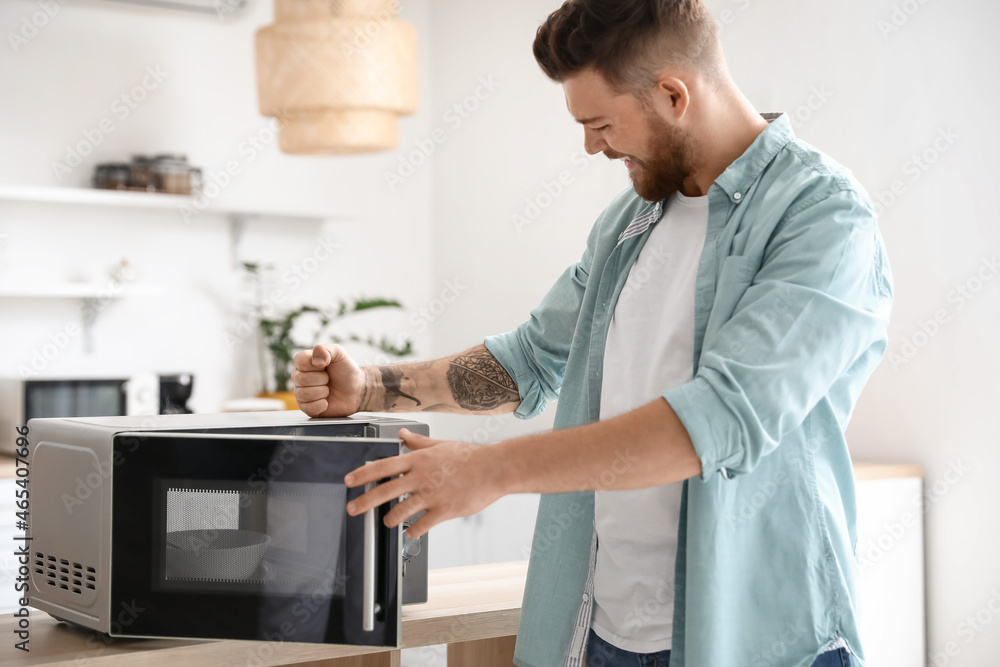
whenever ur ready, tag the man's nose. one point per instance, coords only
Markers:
(593, 142)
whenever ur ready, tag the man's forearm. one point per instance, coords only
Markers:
(472, 382)
(648, 446)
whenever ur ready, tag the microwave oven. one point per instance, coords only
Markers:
(22, 399)
(227, 526)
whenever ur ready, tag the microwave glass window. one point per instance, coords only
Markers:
(247, 537)
(285, 538)
(74, 398)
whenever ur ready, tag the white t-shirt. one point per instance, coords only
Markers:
(650, 348)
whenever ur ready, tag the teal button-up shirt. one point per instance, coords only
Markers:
(792, 303)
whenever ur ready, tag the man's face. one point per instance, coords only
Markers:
(659, 156)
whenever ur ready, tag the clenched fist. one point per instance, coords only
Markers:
(327, 382)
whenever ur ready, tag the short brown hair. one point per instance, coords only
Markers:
(629, 41)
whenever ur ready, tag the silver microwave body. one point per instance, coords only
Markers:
(81, 487)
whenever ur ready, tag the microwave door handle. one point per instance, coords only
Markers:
(368, 594)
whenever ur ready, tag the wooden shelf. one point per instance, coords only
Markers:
(140, 200)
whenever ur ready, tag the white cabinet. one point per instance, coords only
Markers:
(891, 558)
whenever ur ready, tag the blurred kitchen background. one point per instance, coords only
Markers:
(485, 201)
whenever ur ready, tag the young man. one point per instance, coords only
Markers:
(707, 351)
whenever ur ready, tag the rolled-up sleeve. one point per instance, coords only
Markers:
(818, 304)
(535, 353)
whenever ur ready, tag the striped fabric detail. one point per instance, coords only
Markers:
(837, 643)
(579, 643)
(642, 223)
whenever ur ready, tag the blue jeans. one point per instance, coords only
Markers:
(602, 654)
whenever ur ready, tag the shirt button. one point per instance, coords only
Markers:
(586, 597)
(737, 196)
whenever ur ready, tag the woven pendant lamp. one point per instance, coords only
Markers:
(337, 74)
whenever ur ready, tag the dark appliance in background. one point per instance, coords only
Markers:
(175, 390)
(22, 399)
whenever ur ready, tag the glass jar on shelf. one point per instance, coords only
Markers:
(173, 174)
(112, 176)
(142, 176)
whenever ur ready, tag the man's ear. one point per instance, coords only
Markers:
(670, 97)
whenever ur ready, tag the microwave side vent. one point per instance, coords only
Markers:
(66, 575)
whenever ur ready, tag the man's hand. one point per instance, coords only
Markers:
(327, 382)
(446, 479)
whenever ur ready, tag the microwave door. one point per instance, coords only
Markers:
(236, 536)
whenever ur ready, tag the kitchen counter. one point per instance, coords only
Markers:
(475, 610)
(472, 609)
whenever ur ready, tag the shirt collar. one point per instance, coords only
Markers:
(738, 176)
(642, 222)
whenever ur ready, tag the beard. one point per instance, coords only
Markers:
(671, 161)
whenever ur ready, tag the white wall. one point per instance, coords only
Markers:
(65, 80)
(875, 102)
(504, 160)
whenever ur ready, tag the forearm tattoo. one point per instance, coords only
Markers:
(479, 383)
(391, 380)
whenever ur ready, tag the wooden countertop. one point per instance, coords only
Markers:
(866, 471)
(863, 470)
(464, 604)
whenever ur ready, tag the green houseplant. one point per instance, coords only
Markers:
(277, 347)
